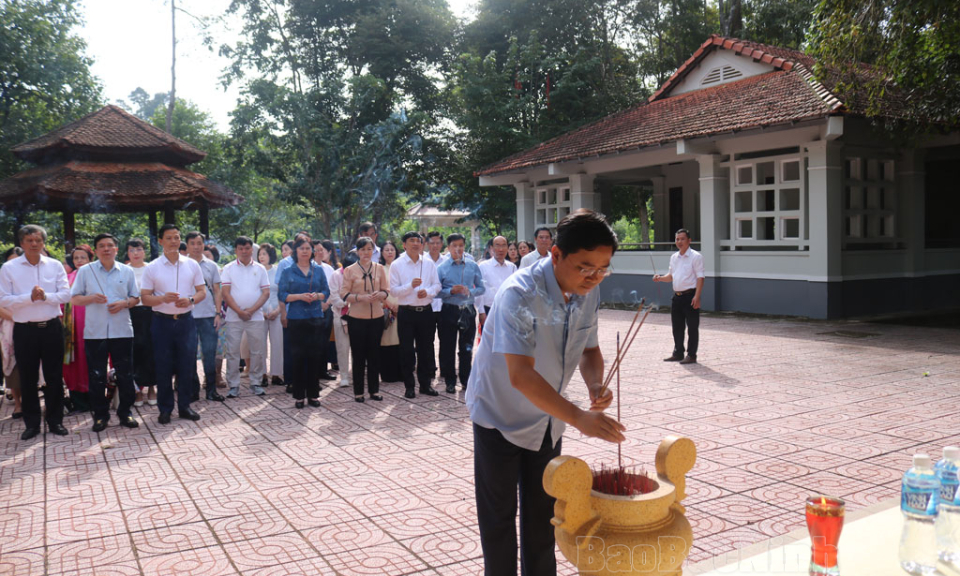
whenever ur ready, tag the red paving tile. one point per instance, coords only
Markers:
(777, 409)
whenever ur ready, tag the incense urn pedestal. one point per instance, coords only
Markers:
(604, 534)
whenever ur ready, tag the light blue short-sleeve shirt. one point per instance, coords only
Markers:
(529, 317)
(120, 283)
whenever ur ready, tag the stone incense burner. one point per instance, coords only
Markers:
(605, 534)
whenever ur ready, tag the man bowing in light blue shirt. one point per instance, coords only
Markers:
(542, 326)
(460, 284)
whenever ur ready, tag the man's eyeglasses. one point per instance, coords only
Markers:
(591, 272)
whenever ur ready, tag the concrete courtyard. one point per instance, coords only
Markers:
(778, 409)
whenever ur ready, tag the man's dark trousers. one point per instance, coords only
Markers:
(415, 329)
(174, 350)
(120, 351)
(682, 312)
(207, 335)
(498, 467)
(37, 343)
(456, 323)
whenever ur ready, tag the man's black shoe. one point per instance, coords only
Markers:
(674, 358)
(289, 389)
(451, 388)
(99, 425)
(164, 418)
(16, 415)
(327, 376)
(429, 392)
(189, 414)
(216, 397)
(409, 394)
(129, 422)
(29, 433)
(57, 429)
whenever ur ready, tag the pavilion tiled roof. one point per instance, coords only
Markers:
(111, 133)
(111, 187)
(785, 95)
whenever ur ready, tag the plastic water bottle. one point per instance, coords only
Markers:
(919, 496)
(948, 512)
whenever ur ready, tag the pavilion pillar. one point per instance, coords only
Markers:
(69, 229)
(18, 223)
(525, 219)
(204, 218)
(169, 215)
(152, 225)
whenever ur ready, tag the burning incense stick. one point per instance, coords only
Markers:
(619, 449)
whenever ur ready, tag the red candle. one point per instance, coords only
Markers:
(824, 521)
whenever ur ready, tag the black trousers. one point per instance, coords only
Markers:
(415, 330)
(120, 351)
(390, 364)
(365, 335)
(457, 330)
(34, 346)
(144, 372)
(682, 312)
(175, 353)
(498, 467)
(304, 360)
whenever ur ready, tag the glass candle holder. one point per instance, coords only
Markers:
(824, 521)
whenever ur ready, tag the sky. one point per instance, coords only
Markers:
(130, 43)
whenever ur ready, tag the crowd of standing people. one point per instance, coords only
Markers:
(128, 334)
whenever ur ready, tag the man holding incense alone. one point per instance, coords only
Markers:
(109, 290)
(686, 274)
(542, 326)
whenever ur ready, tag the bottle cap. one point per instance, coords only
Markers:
(921, 461)
(951, 453)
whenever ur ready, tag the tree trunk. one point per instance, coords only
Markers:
(644, 218)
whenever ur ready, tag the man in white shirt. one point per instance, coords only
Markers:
(686, 273)
(108, 290)
(544, 238)
(172, 285)
(495, 271)
(32, 288)
(206, 315)
(414, 281)
(246, 288)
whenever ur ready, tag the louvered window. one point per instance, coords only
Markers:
(721, 75)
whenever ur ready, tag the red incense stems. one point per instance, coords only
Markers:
(622, 482)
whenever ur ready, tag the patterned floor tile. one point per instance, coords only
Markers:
(170, 539)
(212, 561)
(86, 555)
(385, 559)
(257, 553)
(85, 527)
(305, 567)
(22, 563)
(152, 517)
(344, 537)
(411, 523)
(249, 526)
(21, 528)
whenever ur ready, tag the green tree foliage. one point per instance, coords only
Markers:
(913, 47)
(45, 78)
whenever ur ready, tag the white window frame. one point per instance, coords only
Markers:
(777, 212)
(861, 220)
(551, 204)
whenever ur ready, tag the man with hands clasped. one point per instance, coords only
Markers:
(108, 289)
(172, 284)
(245, 289)
(541, 328)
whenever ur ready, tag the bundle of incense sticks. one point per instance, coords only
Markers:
(620, 481)
(628, 340)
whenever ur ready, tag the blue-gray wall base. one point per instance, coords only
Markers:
(821, 300)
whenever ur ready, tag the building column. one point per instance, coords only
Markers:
(154, 240)
(825, 186)
(661, 220)
(911, 202)
(581, 192)
(525, 211)
(69, 230)
(714, 223)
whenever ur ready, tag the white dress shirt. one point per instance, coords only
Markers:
(17, 279)
(247, 283)
(531, 259)
(685, 269)
(494, 274)
(163, 276)
(402, 273)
